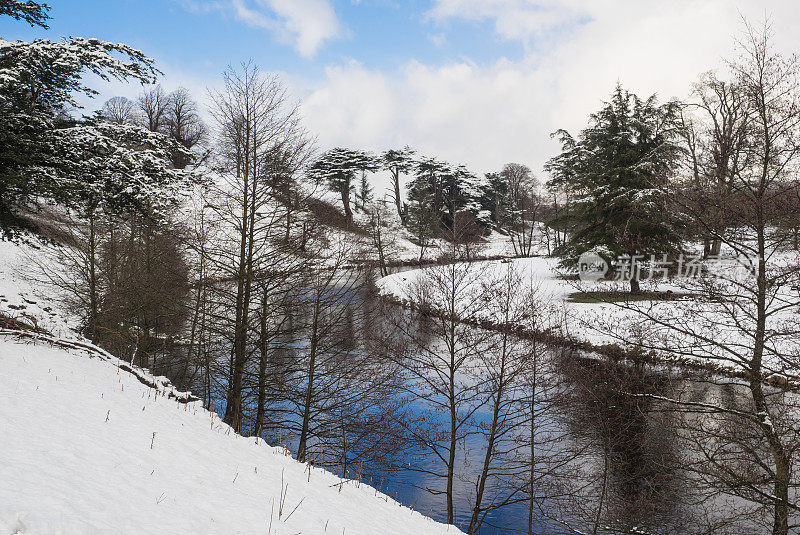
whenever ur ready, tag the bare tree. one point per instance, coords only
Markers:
(508, 368)
(257, 126)
(153, 103)
(438, 355)
(382, 235)
(184, 124)
(120, 110)
(717, 143)
(524, 207)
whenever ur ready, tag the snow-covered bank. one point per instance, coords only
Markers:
(87, 448)
(684, 324)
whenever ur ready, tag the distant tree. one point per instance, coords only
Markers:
(364, 193)
(494, 198)
(153, 103)
(717, 133)
(617, 171)
(398, 163)
(523, 204)
(119, 110)
(382, 235)
(337, 169)
(183, 124)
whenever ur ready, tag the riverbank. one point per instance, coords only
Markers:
(613, 328)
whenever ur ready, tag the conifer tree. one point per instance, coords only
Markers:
(616, 171)
(39, 82)
(398, 163)
(337, 170)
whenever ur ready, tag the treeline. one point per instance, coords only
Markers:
(434, 199)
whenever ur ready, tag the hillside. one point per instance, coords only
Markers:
(91, 447)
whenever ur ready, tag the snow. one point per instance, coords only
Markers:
(88, 448)
(91, 444)
(684, 322)
(23, 295)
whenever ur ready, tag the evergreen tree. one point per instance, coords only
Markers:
(398, 163)
(38, 84)
(425, 202)
(365, 193)
(494, 199)
(337, 169)
(28, 11)
(616, 171)
(422, 220)
(444, 190)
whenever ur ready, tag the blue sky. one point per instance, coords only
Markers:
(204, 37)
(479, 82)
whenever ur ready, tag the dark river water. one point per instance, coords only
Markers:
(611, 457)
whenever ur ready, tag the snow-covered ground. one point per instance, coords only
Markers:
(25, 295)
(87, 448)
(91, 445)
(680, 324)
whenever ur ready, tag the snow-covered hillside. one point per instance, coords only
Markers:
(91, 445)
(88, 448)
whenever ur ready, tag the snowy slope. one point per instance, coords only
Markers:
(87, 448)
(89, 444)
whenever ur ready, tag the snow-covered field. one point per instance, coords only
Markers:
(87, 447)
(682, 322)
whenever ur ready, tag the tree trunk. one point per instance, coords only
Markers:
(92, 281)
(93, 300)
(258, 426)
(451, 461)
(302, 446)
(635, 288)
(716, 246)
(397, 201)
(487, 460)
(348, 213)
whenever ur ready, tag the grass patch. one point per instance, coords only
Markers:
(618, 297)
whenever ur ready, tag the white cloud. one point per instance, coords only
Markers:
(304, 24)
(487, 115)
(309, 22)
(513, 19)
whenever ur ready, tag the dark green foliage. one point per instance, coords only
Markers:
(616, 172)
(337, 170)
(28, 11)
(364, 194)
(398, 163)
(495, 200)
(38, 83)
(443, 191)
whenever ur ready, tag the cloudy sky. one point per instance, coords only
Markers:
(479, 82)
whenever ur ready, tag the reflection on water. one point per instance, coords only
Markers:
(604, 453)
